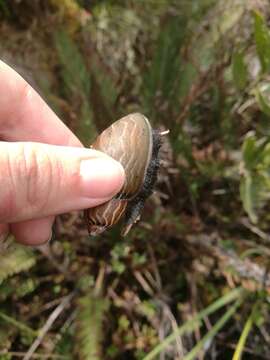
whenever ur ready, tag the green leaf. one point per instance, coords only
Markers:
(188, 75)
(20, 325)
(246, 331)
(196, 321)
(214, 330)
(262, 40)
(89, 334)
(207, 42)
(76, 79)
(107, 87)
(239, 70)
(263, 102)
(255, 181)
(75, 73)
(249, 193)
(4, 8)
(163, 76)
(255, 151)
(249, 151)
(15, 259)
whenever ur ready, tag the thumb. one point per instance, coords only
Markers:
(38, 180)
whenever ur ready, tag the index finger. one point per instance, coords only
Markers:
(24, 116)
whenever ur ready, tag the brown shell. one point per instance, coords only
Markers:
(104, 216)
(129, 141)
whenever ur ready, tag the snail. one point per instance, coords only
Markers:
(131, 141)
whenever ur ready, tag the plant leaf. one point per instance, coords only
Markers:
(263, 103)
(193, 323)
(246, 331)
(249, 193)
(239, 70)
(249, 151)
(91, 310)
(20, 325)
(214, 330)
(75, 73)
(262, 40)
(15, 259)
(163, 76)
(76, 79)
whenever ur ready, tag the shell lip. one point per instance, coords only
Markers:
(150, 151)
(136, 204)
(95, 230)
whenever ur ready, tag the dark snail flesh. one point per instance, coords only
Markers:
(131, 141)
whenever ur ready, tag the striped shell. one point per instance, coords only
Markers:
(129, 141)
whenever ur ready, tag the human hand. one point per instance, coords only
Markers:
(44, 170)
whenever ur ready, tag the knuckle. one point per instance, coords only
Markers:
(37, 169)
(7, 206)
(29, 182)
(7, 199)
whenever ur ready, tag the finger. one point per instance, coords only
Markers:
(39, 180)
(24, 116)
(33, 232)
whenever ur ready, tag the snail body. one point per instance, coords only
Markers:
(131, 141)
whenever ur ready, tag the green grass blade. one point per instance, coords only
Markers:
(215, 329)
(262, 40)
(190, 325)
(243, 338)
(18, 324)
(75, 74)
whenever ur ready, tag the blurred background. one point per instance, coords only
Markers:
(191, 280)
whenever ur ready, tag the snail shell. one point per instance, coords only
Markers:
(133, 143)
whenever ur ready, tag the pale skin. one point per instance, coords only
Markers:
(44, 169)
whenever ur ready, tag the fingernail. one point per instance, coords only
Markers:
(45, 245)
(101, 178)
(51, 237)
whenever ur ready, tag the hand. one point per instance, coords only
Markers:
(44, 170)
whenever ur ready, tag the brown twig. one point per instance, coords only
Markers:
(262, 235)
(19, 354)
(44, 330)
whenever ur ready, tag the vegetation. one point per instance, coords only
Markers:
(191, 280)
